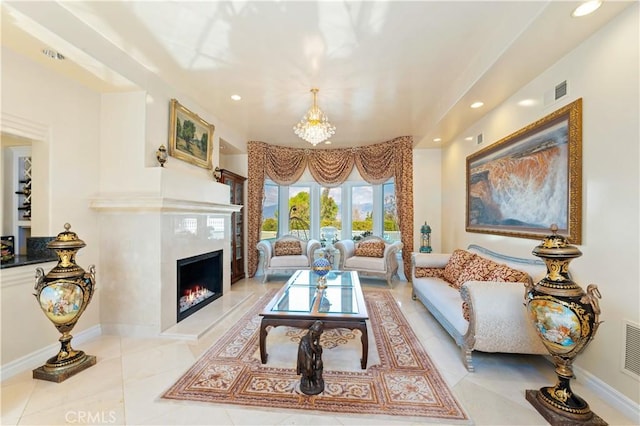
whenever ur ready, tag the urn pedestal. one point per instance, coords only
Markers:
(63, 295)
(566, 319)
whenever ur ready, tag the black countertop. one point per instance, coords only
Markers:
(22, 260)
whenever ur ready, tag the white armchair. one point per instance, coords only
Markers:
(372, 256)
(286, 254)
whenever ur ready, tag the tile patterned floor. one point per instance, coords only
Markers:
(124, 386)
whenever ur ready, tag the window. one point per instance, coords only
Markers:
(353, 210)
(391, 229)
(299, 211)
(361, 211)
(269, 228)
(330, 214)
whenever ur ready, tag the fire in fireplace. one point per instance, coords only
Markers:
(199, 282)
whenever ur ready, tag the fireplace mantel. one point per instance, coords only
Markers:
(149, 203)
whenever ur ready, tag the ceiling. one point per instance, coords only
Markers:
(384, 69)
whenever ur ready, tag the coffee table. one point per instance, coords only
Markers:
(300, 303)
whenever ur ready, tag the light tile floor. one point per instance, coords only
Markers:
(125, 384)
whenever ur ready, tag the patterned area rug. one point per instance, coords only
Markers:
(400, 379)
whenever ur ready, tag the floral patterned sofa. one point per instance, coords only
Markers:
(477, 295)
(286, 254)
(372, 256)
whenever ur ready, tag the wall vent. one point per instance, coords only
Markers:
(561, 90)
(479, 139)
(631, 355)
(552, 95)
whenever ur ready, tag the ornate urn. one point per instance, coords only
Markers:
(566, 319)
(63, 295)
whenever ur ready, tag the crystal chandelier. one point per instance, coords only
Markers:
(314, 126)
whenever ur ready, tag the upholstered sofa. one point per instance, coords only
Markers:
(372, 256)
(286, 254)
(477, 295)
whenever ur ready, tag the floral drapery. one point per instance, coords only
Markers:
(331, 167)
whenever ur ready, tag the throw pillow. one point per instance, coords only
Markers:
(422, 272)
(504, 273)
(287, 248)
(370, 249)
(455, 265)
(477, 269)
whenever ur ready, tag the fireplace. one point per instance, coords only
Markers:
(199, 282)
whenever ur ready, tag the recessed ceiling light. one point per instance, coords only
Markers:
(52, 54)
(327, 142)
(437, 140)
(468, 138)
(236, 97)
(477, 104)
(527, 102)
(586, 8)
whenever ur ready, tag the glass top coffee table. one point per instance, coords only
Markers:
(300, 303)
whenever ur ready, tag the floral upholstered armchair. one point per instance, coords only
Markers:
(286, 254)
(371, 256)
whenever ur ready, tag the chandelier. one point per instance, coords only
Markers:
(314, 126)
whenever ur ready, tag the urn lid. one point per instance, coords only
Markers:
(556, 245)
(67, 240)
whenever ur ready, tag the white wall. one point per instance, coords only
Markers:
(237, 163)
(68, 163)
(427, 196)
(604, 72)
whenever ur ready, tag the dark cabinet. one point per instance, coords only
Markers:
(236, 192)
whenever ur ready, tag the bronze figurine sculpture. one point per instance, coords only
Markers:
(310, 360)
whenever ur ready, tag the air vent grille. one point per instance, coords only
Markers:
(632, 348)
(479, 139)
(561, 90)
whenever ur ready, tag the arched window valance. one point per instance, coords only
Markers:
(331, 167)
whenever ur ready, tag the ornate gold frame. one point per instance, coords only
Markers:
(572, 115)
(178, 148)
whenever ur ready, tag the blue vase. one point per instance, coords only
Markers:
(321, 267)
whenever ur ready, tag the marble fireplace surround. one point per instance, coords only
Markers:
(141, 238)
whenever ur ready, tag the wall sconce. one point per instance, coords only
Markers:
(425, 241)
(217, 174)
(161, 155)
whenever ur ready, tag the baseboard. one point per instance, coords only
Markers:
(37, 358)
(614, 398)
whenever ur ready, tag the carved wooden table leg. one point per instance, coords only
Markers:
(364, 337)
(263, 341)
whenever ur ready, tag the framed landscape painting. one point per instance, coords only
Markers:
(524, 183)
(190, 137)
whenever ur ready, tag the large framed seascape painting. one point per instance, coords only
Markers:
(530, 180)
(190, 137)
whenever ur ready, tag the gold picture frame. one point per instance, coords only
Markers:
(190, 137)
(529, 180)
